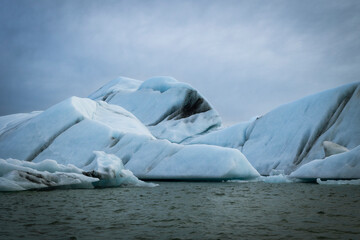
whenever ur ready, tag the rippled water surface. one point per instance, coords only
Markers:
(183, 210)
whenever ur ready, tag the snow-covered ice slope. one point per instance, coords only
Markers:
(293, 134)
(233, 137)
(32, 138)
(77, 129)
(170, 109)
(10, 121)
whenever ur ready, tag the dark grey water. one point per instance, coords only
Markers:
(183, 210)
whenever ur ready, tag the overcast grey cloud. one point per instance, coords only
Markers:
(245, 57)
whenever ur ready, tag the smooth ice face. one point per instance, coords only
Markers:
(162, 84)
(293, 134)
(117, 85)
(233, 137)
(344, 165)
(28, 138)
(172, 110)
(31, 138)
(331, 148)
(14, 120)
(200, 162)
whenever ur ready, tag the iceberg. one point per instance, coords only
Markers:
(170, 109)
(162, 129)
(297, 133)
(101, 139)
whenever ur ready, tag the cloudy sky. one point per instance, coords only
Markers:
(245, 57)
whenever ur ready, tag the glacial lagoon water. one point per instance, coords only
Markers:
(185, 210)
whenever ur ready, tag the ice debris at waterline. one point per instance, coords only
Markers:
(106, 170)
(162, 129)
(338, 182)
(276, 176)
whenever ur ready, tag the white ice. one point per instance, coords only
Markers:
(344, 165)
(331, 148)
(106, 170)
(233, 137)
(161, 103)
(338, 182)
(10, 121)
(80, 131)
(111, 172)
(276, 176)
(16, 175)
(293, 134)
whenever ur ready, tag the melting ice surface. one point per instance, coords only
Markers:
(107, 170)
(275, 176)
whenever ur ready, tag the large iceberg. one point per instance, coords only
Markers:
(77, 130)
(170, 109)
(162, 129)
(299, 132)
